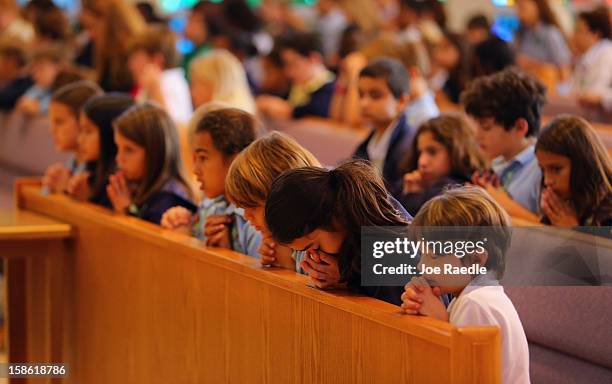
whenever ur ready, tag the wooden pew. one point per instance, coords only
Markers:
(150, 306)
(331, 142)
(35, 254)
(26, 146)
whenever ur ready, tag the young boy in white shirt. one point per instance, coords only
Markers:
(479, 300)
(153, 64)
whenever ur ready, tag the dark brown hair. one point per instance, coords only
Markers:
(230, 129)
(157, 39)
(598, 21)
(151, 127)
(457, 136)
(351, 196)
(75, 95)
(591, 170)
(506, 96)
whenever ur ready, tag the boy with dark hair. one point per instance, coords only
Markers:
(13, 81)
(492, 55)
(507, 108)
(478, 29)
(384, 93)
(152, 61)
(312, 85)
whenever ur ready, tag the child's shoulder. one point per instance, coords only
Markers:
(481, 305)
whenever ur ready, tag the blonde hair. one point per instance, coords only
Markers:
(227, 74)
(471, 206)
(251, 174)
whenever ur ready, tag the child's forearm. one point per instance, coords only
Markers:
(516, 210)
(352, 113)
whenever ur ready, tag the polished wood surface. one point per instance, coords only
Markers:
(23, 225)
(151, 306)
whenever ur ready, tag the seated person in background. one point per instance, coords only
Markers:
(273, 81)
(14, 81)
(96, 147)
(150, 177)
(196, 31)
(330, 22)
(248, 184)
(591, 81)
(422, 105)
(321, 212)
(152, 62)
(577, 174)
(444, 153)
(312, 85)
(345, 104)
(539, 40)
(492, 55)
(45, 67)
(478, 29)
(479, 300)
(384, 87)
(507, 107)
(450, 66)
(64, 110)
(220, 135)
(13, 26)
(219, 76)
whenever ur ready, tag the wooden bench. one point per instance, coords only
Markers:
(35, 254)
(26, 146)
(151, 306)
(330, 141)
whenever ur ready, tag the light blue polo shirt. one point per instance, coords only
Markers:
(521, 178)
(245, 238)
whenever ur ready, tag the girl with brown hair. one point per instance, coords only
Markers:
(577, 174)
(540, 39)
(111, 25)
(444, 152)
(151, 177)
(322, 211)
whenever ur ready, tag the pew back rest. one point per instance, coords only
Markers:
(330, 142)
(26, 144)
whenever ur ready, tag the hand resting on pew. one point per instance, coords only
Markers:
(56, 178)
(78, 186)
(274, 254)
(179, 219)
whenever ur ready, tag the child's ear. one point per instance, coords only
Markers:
(480, 258)
(522, 127)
